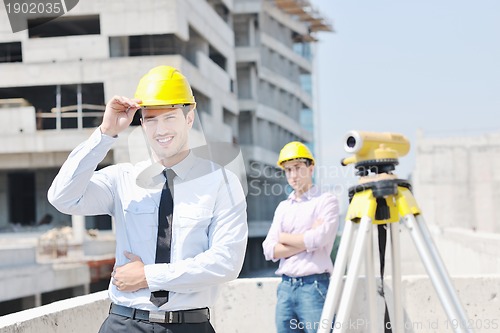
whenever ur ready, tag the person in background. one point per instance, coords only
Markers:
(301, 237)
(178, 238)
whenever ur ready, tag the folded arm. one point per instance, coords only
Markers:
(292, 244)
(222, 261)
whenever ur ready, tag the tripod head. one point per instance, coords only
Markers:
(374, 152)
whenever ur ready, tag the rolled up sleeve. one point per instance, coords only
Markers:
(323, 234)
(273, 235)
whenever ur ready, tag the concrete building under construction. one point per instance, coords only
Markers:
(459, 187)
(250, 64)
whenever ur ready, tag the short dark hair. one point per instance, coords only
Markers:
(185, 110)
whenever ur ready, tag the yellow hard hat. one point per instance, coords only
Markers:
(164, 85)
(294, 150)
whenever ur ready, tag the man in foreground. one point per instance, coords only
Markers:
(178, 238)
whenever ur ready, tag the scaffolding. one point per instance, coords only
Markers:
(305, 12)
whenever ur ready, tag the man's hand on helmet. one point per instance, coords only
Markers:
(119, 114)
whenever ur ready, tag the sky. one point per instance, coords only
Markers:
(403, 66)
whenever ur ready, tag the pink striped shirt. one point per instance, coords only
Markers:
(296, 216)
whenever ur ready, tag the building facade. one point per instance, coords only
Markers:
(249, 63)
(274, 43)
(457, 181)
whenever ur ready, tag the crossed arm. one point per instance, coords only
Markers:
(291, 244)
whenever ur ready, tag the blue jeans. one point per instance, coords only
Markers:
(300, 303)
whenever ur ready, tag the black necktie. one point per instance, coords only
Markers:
(164, 238)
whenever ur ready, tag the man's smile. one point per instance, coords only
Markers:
(164, 140)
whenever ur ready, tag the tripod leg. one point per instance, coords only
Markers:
(442, 268)
(438, 275)
(335, 287)
(398, 319)
(371, 288)
(352, 274)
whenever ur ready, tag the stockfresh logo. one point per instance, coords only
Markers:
(24, 13)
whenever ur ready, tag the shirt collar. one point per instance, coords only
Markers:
(150, 175)
(311, 193)
(182, 168)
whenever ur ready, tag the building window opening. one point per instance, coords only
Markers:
(307, 120)
(217, 57)
(80, 105)
(241, 31)
(99, 222)
(231, 120)
(16, 305)
(145, 45)
(221, 10)
(11, 52)
(302, 48)
(245, 128)
(203, 103)
(60, 294)
(64, 26)
(306, 82)
(21, 196)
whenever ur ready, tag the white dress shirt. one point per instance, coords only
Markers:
(209, 232)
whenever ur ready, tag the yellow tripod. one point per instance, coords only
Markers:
(382, 199)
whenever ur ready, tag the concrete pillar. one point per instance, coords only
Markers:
(254, 128)
(79, 290)
(251, 31)
(79, 106)
(29, 302)
(217, 114)
(78, 224)
(254, 83)
(86, 288)
(4, 209)
(58, 107)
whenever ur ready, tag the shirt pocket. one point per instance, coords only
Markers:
(141, 221)
(193, 217)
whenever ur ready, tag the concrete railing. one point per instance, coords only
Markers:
(247, 305)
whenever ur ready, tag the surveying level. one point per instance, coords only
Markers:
(381, 199)
(374, 150)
